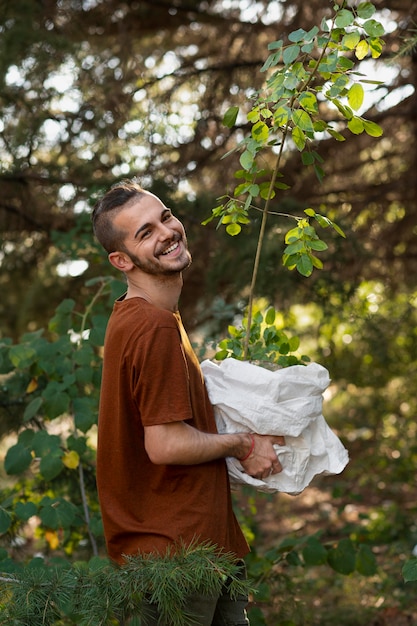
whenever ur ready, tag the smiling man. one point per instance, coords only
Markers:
(161, 471)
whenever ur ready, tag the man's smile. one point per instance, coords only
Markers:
(171, 248)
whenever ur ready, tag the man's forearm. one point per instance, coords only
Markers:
(178, 443)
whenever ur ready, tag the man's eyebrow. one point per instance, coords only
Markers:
(148, 224)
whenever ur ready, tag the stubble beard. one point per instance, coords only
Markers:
(155, 269)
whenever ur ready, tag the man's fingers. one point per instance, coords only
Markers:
(280, 440)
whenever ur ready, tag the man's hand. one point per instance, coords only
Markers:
(262, 461)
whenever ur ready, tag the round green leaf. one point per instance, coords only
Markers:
(355, 126)
(365, 10)
(302, 120)
(344, 18)
(342, 558)
(260, 132)
(356, 96)
(51, 466)
(18, 459)
(365, 561)
(233, 229)
(25, 510)
(290, 54)
(314, 552)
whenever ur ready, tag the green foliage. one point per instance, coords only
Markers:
(310, 75)
(269, 345)
(43, 596)
(53, 376)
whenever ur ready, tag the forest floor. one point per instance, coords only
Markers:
(337, 507)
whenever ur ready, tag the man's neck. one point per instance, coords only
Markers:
(161, 291)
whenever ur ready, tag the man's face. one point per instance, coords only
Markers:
(155, 240)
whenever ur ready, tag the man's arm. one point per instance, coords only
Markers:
(178, 443)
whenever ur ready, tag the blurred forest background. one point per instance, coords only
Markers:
(93, 91)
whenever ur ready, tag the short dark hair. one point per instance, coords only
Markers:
(107, 207)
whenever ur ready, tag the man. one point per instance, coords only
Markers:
(161, 470)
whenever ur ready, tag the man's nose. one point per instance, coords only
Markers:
(164, 232)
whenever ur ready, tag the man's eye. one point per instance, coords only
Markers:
(146, 233)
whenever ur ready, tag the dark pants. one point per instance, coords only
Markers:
(220, 610)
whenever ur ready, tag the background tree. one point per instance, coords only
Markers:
(93, 92)
(146, 95)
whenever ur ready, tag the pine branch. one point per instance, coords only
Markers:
(101, 594)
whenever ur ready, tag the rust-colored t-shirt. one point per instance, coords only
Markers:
(152, 376)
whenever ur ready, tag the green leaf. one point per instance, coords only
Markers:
(409, 570)
(304, 265)
(342, 558)
(22, 355)
(260, 132)
(229, 118)
(355, 96)
(302, 120)
(299, 138)
(233, 229)
(295, 248)
(253, 115)
(221, 355)
(365, 561)
(317, 263)
(56, 401)
(51, 466)
(98, 330)
(308, 101)
(85, 413)
(32, 409)
(246, 160)
(373, 28)
(356, 126)
(344, 18)
(376, 50)
(372, 129)
(281, 116)
(297, 35)
(336, 135)
(314, 552)
(270, 316)
(318, 245)
(5, 520)
(49, 516)
(18, 459)
(351, 40)
(272, 60)
(365, 10)
(290, 54)
(361, 50)
(45, 443)
(25, 510)
(307, 158)
(275, 45)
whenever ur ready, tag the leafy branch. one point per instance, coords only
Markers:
(313, 72)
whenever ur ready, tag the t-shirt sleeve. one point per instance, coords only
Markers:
(160, 378)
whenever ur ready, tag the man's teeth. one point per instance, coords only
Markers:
(171, 248)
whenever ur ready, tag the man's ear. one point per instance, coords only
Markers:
(120, 261)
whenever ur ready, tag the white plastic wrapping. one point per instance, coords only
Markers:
(289, 402)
